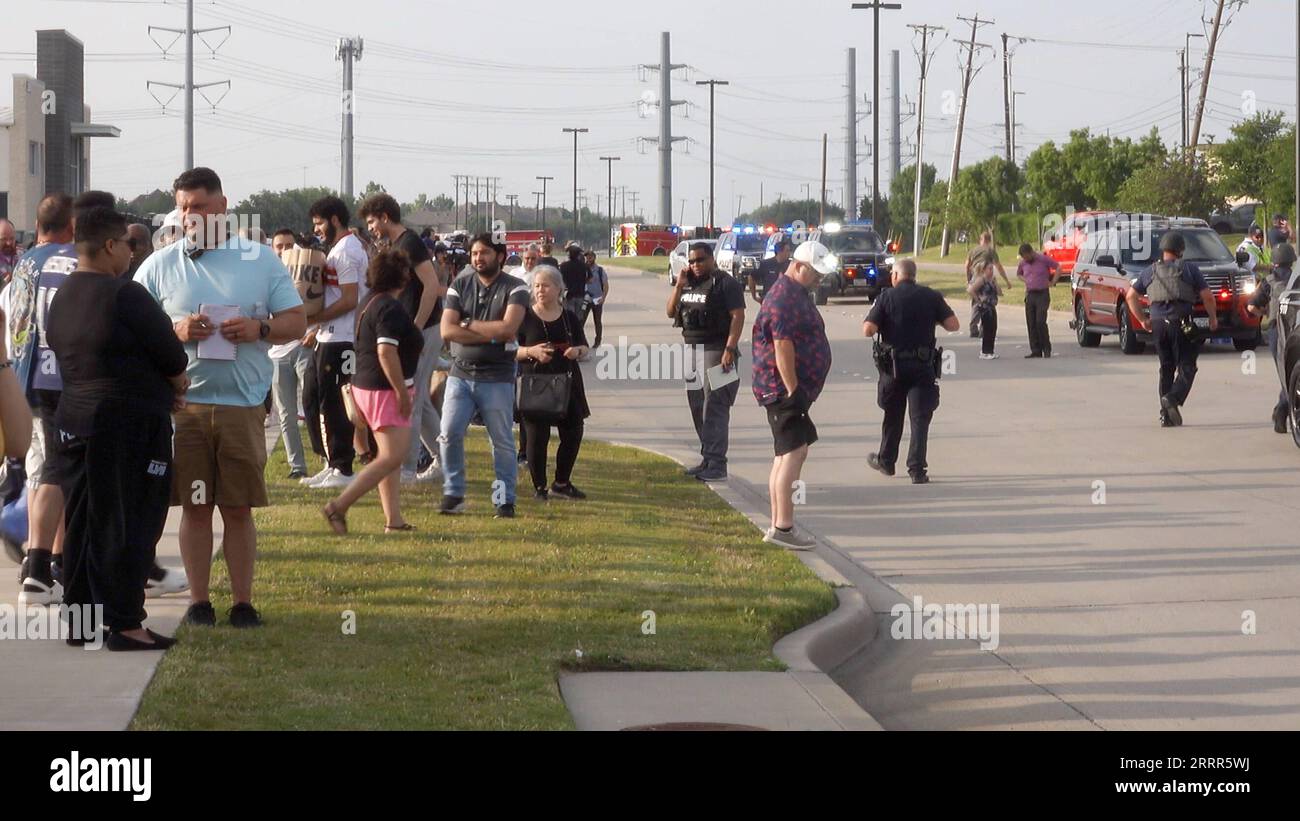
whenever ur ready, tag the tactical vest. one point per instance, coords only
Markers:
(702, 313)
(1168, 285)
(1277, 282)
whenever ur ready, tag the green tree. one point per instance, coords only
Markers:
(784, 212)
(1258, 161)
(901, 192)
(1170, 187)
(146, 205)
(1050, 185)
(982, 192)
(1279, 186)
(286, 209)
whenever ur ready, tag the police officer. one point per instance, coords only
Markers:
(1265, 304)
(1173, 286)
(1261, 261)
(909, 362)
(770, 269)
(709, 307)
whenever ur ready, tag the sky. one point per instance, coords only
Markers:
(484, 89)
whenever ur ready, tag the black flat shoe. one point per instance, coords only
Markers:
(119, 642)
(873, 462)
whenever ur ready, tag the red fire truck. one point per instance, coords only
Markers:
(518, 241)
(633, 240)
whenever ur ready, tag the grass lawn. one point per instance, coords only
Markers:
(657, 265)
(466, 623)
(952, 284)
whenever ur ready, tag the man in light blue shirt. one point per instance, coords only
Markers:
(219, 444)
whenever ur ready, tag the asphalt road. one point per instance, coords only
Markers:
(1129, 564)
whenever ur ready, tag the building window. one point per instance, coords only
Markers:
(35, 158)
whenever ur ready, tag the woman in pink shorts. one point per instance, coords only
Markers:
(383, 388)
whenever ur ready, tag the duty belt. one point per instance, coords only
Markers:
(919, 354)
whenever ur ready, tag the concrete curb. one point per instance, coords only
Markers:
(814, 649)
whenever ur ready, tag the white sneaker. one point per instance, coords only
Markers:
(988, 356)
(335, 479)
(433, 473)
(36, 591)
(794, 540)
(311, 481)
(173, 580)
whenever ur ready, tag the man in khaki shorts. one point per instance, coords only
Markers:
(219, 446)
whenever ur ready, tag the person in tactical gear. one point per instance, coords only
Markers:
(709, 307)
(1265, 304)
(909, 363)
(1173, 286)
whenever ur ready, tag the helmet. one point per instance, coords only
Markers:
(1284, 255)
(1173, 241)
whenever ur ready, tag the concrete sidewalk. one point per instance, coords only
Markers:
(48, 685)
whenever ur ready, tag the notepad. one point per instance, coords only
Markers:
(719, 379)
(217, 346)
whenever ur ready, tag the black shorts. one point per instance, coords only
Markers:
(792, 428)
(52, 464)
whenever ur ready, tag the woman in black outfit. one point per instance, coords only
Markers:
(123, 374)
(551, 340)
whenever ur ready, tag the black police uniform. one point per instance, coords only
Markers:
(906, 316)
(1174, 289)
(1267, 297)
(704, 315)
(766, 275)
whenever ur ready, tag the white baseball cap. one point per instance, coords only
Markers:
(817, 255)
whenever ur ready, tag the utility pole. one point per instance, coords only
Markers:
(537, 208)
(513, 198)
(925, 58)
(455, 187)
(635, 214)
(1014, 123)
(188, 87)
(575, 132)
(875, 7)
(665, 139)
(544, 181)
(712, 84)
(1006, 92)
(895, 120)
(349, 51)
(851, 127)
(821, 218)
(1205, 75)
(609, 167)
(961, 117)
(681, 215)
(1186, 66)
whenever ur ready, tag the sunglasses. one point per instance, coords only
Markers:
(695, 260)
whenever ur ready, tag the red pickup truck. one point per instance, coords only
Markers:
(1111, 260)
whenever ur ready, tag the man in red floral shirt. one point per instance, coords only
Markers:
(792, 357)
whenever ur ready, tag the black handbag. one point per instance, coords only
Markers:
(544, 397)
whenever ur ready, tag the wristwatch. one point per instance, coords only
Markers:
(264, 329)
(464, 323)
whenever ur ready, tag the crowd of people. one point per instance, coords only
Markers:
(147, 365)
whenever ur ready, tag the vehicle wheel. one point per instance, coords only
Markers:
(1128, 341)
(1293, 388)
(823, 295)
(1087, 339)
(659, 252)
(1246, 344)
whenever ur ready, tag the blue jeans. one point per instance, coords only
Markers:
(495, 402)
(286, 387)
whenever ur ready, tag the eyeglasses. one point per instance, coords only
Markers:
(696, 260)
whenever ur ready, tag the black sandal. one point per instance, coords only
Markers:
(337, 521)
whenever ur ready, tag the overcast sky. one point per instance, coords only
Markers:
(485, 88)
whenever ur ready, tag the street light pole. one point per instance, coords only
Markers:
(712, 84)
(609, 164)
(575, 132)
(875, 98)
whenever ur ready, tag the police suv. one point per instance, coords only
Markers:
(863, 263)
